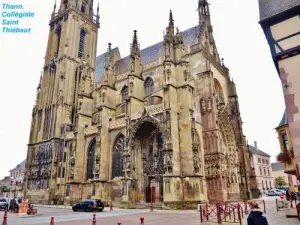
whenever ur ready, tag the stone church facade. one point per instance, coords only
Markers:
(162, 124)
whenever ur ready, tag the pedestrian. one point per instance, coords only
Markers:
(259, 194)
(256, 215)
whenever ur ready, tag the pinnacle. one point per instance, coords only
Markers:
(171, 20)
(135, 36)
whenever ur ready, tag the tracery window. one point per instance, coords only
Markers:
(81, 43)
(90, 160)
(149, 86)
(117, 157)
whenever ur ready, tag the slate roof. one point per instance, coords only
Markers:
(270, 8)
(258, 151)
(149, 54)
(20, 166)
(284, 120)
(277, 166)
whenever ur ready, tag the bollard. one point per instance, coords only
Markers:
(142, 220)
(201, 215)
(264, 206)
(239, 214)
(218, 213)
(151, 207)
(5, 218)
(111, 207)
(119, 223)
(94, 220)
(184, 205)
(52, 221)
(246, 207)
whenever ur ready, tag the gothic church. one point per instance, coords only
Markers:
(161, 125)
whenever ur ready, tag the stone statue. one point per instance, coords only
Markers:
(203, 107)
(209, 106)
(132, 64)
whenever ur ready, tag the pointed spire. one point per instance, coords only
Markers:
(54, 7)
(98, 9)
(109, 47)
(135, 48)
(222, 61)
(171, 21)
(203, 11)
(108, 60)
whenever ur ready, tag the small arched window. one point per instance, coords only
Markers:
(81, 43)
(90, 160)
(117, 157)
(149, 86)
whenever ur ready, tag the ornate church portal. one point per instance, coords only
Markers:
(148, 162)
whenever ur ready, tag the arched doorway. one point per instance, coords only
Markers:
(148, 160)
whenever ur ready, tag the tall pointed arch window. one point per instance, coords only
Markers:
(90, 160)
(124, 94)
(81, 43)
(117, 157)
(58, 33)
(149, 86)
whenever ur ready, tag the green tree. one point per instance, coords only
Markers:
(4, 189)
(280, 182)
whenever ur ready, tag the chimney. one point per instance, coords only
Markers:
(255, 145)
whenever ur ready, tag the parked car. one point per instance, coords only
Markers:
(88, 205)
(3, 204)
(273, 193)
(282, 191)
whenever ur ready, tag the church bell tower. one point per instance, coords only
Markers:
(64, 96)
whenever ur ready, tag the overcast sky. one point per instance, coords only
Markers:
(239, 40)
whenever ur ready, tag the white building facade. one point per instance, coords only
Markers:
(262, 168)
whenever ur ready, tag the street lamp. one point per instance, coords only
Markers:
(14, 182)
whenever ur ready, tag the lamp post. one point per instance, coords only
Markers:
(15, 183)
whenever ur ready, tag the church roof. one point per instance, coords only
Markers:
(20, 166)
(149, 54)
(284, 120)
(270, 8)
(257, 151)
